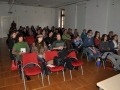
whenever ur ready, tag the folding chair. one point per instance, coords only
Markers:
(77, 63)
(30, 59)
(49, 55)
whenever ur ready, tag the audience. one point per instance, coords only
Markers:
(110, 36)
(105, 48)
(67, 39)
(84, 34)
(97, 39)
(90, 48)
(78, 43)
(76, 33)
(114, 44)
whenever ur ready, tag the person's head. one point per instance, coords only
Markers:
(56, 30)
(50, 34)
(13, 35)
(13, 21)
(111, 33)
(115, 37)
(43, 32)
(77, 37)
(38, 31)
(65, 31)
(19, 37)
(58, 36)
(24, 29)
(97, 34)
(89, 32)
(39, 38)
(75, 30)
(104, 37)
(70, 30)
(84, 31)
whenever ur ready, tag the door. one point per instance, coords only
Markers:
(81, 15)
(6, 24)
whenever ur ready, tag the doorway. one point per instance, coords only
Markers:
(6, 24)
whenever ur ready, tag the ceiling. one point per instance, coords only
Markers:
(42, 3)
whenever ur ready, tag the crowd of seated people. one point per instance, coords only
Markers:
(63, 39)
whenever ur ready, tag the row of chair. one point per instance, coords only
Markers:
(31, 58)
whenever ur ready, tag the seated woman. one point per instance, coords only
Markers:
(20, 47)
(107, 52)
(39, 47)
(97, 39)
(90, 48)
(78, 43)
(11, 44)
(114, 44)
(49, 40)
(67, 39)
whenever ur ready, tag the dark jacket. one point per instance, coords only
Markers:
(49, 40)
(11, 43)
(104, 46)
(112, 45)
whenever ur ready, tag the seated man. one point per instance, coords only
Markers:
(89, 44)
(78, 43)
(67, 39)
(58, 44)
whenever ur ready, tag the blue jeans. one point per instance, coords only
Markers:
(40, 59)
(91, 54)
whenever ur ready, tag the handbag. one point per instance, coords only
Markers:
(58, 61)
(14, 66)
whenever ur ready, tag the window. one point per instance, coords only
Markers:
(62, 19)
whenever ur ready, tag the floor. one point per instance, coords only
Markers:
(10, 80)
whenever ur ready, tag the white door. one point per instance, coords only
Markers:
(81, 15)
(6, 24)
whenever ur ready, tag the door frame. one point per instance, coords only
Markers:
(2, 17)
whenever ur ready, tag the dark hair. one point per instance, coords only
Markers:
(89, 31)
(103, 36)
(115, 36)
(110, 32)
(96, 32)
(18, 36)
(36, 41)
(12, 34)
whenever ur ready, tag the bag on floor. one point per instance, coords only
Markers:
(58, 61)
(14, 66)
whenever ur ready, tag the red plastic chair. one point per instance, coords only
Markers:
(30, 59)
(29, 39)
(49, 55)
(78, 63)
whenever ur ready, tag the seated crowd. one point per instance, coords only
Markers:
(61, 39)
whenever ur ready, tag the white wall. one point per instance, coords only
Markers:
(70, 14)
(43, 17)
(114, 17)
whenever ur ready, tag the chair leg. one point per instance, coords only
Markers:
(71, 74)
(82, 70)
(82, 55)
(63, 75)
(48, 80)
(42, 79)
(103, 64)
(87, 57)
(23, 77)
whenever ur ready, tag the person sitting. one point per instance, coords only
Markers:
(11, 44)
(90, 48)
(76, 33)
(44, 33)
(67, 39)
(84, 34)
(25, 32)
(39, 47)
(71, 34)
(110, 36)
(49, 40)
(107, 52)
(78, 43)
(97, 39)
(114, 44)
(20, 47)
(55, 33)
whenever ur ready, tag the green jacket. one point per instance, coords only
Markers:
(66, 36)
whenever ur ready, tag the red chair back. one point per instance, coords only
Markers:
(29, 39)
(72, 54)
(29, 58)
(49, 55)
